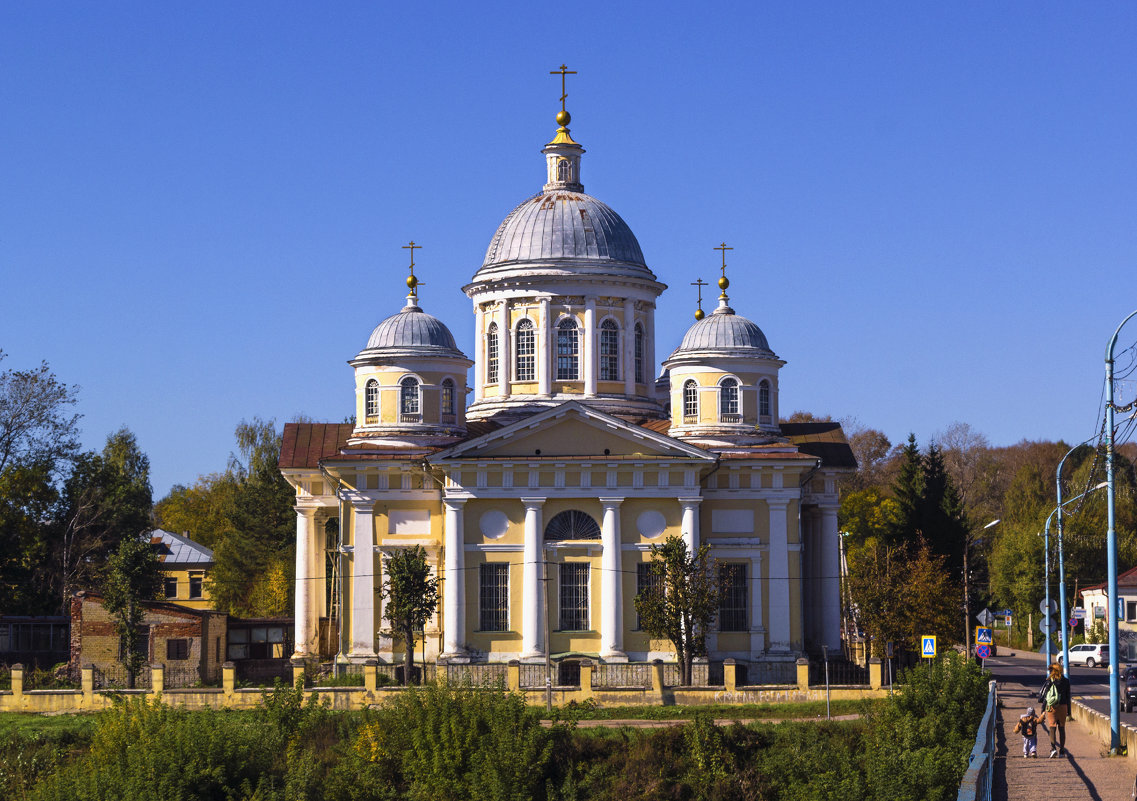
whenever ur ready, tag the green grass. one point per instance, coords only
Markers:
(793, 710)
(26, 724)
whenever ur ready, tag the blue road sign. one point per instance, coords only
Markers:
(983, 635)
(983, 651)
(928, 646)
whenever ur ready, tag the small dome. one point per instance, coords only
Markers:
(412, 329)
(563, 225)
(725, 331)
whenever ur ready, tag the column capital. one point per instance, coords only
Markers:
(686, 502)
(456, 501)
(533, 503)
(611, 502)
(308, 511)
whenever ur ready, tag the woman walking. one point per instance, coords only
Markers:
(1055, 700)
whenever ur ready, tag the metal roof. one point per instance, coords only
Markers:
(412, 328)
(564, 225)
(176, 549)
(723, 330)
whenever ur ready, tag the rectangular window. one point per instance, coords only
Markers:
(526, 350)
(574, 597)
(493, 598)
(171, 586)
(1131, 609)
(732, 597)
(567, 352)
(640, 355)
(195, 580)
(447, 398)
(177, 649)
(648, 582)
(141, 643)
(491, 355)
(609, 352)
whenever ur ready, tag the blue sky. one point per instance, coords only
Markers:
(932, 207)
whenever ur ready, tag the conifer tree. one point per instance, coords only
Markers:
(908, 489)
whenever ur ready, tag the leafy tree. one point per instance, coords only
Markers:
(686, 604)
(36, 423)
(28, 504)
(867, 514)
(132, 577)
(876, 586)
(412, 597)
(204, 509)
(106, 500)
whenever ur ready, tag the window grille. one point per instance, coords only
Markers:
(728, 398)
(491, 354)
(648, 583)
(371, 412)
(493, 606)
(177, 649)
(574, 596)
(195, 581)
(640, 354)
(690, 402)
(409, 400)
(447, 397)
(568, 351)
(526, 351)
(732, 597)
(572, 524)
(609, 351)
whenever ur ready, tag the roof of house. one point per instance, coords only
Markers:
(177, 549)
(1126, 580)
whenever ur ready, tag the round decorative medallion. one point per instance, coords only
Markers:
(494, 524)
(651, 524)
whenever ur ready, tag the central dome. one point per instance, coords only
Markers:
(726, 332)
(563, 226)
(413, 331)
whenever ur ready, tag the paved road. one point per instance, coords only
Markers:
(1086, 772)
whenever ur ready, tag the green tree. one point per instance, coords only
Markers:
(412, 597)
(683, 604)
(36, 422)
(867, 514)
(908, 492)
(132, 577)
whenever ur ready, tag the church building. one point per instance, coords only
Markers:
(539, 480)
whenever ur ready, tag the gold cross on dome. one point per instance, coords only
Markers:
(724, 249)
(413, 282)
(563, 71)
(700, 284)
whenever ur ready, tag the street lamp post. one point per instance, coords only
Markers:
(966, 581)
(1111, 550)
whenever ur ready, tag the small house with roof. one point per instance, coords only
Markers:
(185, 566)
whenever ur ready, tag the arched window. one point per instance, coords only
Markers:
(409, 400)
(609, 351)
(564, 171)
(640, 354)
(728, 401)
(568, 350)
(526, 351)
(371, 400)
(690, 402)
(447, 401)
(764, 401)
(491, 354)
(572, 524)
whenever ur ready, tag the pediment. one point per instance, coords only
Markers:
(575, 431)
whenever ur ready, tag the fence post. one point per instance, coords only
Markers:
(657, 679)
(874, 673)
(157, 679)
(729, 676)
(298, 672)
(586, 678)
(371, 675)
(513, 676)
(803, 675)
(228, 680)
(18, 683)
(87, 682)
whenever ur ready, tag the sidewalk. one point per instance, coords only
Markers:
(1086, 772)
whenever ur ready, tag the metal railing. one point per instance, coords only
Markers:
(477, 675)
(626, 675)
(841, 672)
(978, 780)
(115, 677)
(761, 673)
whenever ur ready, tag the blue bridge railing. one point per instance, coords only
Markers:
(979, 779)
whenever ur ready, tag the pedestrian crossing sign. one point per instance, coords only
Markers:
(982, 635)
(928, 646)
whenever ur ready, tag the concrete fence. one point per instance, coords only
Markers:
(592, 688)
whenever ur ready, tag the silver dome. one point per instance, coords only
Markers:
(560, 224)
(415, 330)
(723, 330)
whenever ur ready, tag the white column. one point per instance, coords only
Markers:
(779, 583)
(611, 584)
(532, 580)
(756, 643)
(544, 351)
(690, 523)
(363, 582)
(589, 355)
(454, 582)
(306, 642)
(505, 355)
(319, 597)
(830, 612)
(628, 348)
(650, 367)
(479, 351)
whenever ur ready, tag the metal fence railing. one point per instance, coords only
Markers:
(477, 675)
(115, 677)
(177, 677)
(978, 780)
(759, 673)
(703, 674)
(632, 674)
(841, 671)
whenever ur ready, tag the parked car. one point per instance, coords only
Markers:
(1089, 654)
(1130, 688)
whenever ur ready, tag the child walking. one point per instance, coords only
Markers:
(1028, 727)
